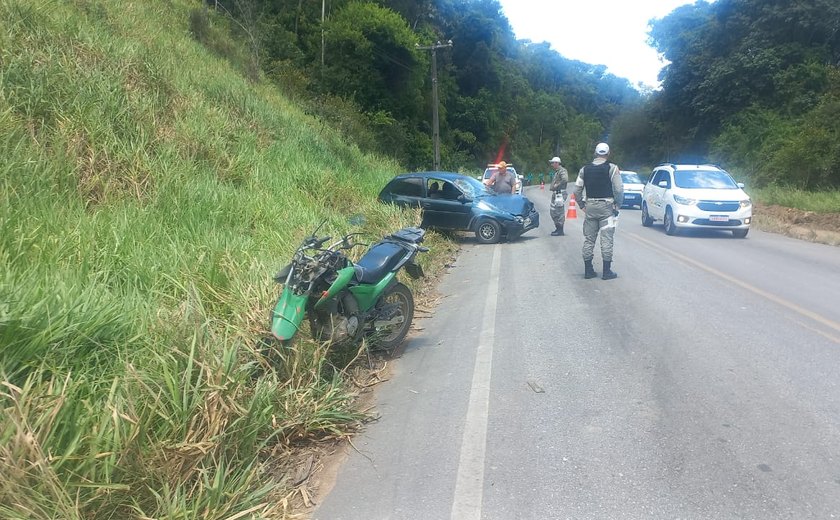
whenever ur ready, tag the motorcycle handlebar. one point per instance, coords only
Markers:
(318, 242)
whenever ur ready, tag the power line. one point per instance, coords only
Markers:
(395, 61)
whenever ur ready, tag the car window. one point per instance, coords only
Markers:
(704, 179)
(449, 191)
(409, 187)
(662, 175)
(631, 178)
(655, 176)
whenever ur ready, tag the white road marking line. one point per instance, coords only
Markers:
(753, 289)
(469, 485)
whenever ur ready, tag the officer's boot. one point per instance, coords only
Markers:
(558, 231)
(608, 273)
(589, 271)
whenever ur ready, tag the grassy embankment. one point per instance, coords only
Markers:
(819, 201)
(147, 194)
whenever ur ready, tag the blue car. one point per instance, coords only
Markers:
(458, 202)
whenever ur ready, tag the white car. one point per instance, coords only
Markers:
(492, 168)
(633, 188)
(696, 196)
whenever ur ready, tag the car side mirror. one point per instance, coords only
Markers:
(463, 199)
(741, 185)
(663, 184)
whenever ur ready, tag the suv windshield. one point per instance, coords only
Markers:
(490, 171)
(704, 179)
(631, 178)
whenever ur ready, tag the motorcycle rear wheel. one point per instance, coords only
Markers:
(389, 338)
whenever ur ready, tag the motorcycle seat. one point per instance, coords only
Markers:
(378, 261)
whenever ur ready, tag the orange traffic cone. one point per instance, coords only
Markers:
(572, 211)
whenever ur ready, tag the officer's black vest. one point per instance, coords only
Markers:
(596, 180)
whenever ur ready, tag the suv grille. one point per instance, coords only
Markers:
(715, 205)
(707, 222)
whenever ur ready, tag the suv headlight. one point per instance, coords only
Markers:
(684, 201)
(745, 203)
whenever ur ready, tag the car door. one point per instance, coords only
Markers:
(446, 210)
(656, 193)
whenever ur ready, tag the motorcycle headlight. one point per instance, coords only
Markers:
(745, 203)
(684, 201)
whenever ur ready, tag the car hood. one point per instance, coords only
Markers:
(634, 187)
(736, 194)
(513, 204)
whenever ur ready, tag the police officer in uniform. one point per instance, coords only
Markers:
(604, 195)
(559, 182)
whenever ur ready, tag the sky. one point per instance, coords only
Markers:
(600, 32)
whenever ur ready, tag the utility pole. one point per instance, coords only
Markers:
(323, 10)
(435, 121)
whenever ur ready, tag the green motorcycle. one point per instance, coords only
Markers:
(345, 301)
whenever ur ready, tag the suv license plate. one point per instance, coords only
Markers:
(719, 218)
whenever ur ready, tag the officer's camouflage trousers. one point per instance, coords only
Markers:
(598, 213)
(557, 210)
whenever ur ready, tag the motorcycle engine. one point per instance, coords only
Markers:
(340, 323)
(344, 328)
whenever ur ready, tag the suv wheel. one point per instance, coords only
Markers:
(646, 220)
(488, 232)
(670, 227)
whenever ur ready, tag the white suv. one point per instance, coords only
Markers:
(695, 196)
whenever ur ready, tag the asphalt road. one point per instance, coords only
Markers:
(702, 383)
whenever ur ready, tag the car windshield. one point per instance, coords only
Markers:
(704, 179)
(472, 188)
(631, 178)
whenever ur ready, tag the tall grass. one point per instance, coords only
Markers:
(817, 201)
(147, 193)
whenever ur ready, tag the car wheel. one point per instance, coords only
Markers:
(488, 232)
(646, 220)
(670, 227)
(740, 233)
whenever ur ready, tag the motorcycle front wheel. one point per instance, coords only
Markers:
(389, 337)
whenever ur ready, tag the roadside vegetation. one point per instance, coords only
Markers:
(148, 192)
(359, 69)
(817, 201)
(753, 86)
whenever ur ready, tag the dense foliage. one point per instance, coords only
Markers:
(499, 97)
(754, 84)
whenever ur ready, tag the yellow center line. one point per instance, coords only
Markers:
(744, 285)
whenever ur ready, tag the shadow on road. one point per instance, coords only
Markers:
(701, 233)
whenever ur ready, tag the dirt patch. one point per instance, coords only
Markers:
(804, 225)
